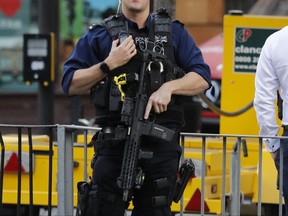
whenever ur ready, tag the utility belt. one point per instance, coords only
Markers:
(107, 137)
(113, 137)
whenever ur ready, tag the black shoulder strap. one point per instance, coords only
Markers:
(162, 21)
(114, 24)
(161, 28)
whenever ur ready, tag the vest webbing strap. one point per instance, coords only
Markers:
(162, 21)
(114, 25)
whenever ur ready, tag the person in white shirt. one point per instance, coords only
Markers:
(272, 76)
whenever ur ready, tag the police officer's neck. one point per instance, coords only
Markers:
(137, 17)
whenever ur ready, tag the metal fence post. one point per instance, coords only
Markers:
(182, 140)
(224, 163)
(281, 177)
(1, 168)
(235, 180)
(65, 171)
(259, 207)
(203, 173)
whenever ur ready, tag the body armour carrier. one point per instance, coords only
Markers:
(157, 40)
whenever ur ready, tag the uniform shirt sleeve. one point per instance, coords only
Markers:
(86, 54)
(266, 86)
(187, 55)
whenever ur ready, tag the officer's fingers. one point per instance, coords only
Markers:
(128, 55)
(114, 43)
(128, 49)
(128, 41)
(131, 43)
(148, 109)
(134, 52)
(156, 109)
(159, 108)
(132, 46)
(163, 108)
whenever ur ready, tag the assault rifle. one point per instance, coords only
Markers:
(133, 127)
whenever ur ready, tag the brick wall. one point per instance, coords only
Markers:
(202, 18)
(22, 109)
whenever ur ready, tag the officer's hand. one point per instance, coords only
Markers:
(120, 55)
(159, 100)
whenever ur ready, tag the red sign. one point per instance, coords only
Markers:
(12, 164)
(10, 7)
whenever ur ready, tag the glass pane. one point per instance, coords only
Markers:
(16, 18)
(77, 15)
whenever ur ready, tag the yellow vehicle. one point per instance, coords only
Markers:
(243, 39)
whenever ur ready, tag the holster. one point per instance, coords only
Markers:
(187, 170)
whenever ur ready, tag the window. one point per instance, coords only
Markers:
(16, 18)
(21, 16)
(76, 16)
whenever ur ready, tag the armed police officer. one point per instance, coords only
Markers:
(129, 51)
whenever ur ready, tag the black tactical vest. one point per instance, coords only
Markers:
(157, 39)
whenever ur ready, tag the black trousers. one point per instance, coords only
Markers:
(284, 142)
(107, 169)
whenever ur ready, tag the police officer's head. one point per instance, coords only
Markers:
(135, 6)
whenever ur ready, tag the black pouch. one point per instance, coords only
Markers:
(99, 94)
(83, 195)
(94, 202)
(114, 98)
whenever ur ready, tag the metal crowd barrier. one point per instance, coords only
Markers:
(20, 130)
(65, 139)
(65, 166)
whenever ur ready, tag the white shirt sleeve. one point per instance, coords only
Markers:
(267, 84)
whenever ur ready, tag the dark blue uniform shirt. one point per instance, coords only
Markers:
(94, 46)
